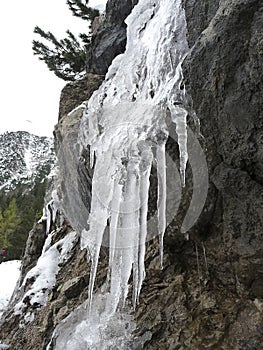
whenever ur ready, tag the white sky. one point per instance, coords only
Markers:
(29, 91)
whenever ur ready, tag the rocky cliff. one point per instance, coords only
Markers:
(209, 294)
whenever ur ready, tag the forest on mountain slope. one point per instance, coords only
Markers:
(19, 209)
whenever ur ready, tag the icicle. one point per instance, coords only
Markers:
(54, 205)
(48, 218)
(102, 186)
(91, 159)
(94, 250)
(144, 190)
(135, 271)
(206, 265)
(115, 283)
(178, 115)
(115, 210)
(130, 225)
(115, 263)
(125, 242)
(161, 201)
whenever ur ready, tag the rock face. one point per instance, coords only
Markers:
(110, 37)
(73, 94)
(209, 294)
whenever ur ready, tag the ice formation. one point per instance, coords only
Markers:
(95, 330)
(50, 211)
(125, 124)
(4, 346)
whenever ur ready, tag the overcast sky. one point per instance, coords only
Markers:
(29, 91)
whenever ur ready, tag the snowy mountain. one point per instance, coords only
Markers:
(23, 158)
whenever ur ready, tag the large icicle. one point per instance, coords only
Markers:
(179, 115)
(122, 121)
(115, 209)
(126, 235)
(102, 187)
(161, 202)
(145, 173)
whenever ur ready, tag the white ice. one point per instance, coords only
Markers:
(125, 126)
(96, 329)
(125, 117)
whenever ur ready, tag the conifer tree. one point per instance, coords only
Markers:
(10, 220)
(80, 9)
(2, 243)
(66, 57)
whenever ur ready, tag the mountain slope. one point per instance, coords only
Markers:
(25, 164)
(24, 157)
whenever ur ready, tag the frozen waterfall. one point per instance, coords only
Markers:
(125, 125)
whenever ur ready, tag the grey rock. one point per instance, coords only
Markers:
(109, 39)
(34, 247)
(74, 287)
(74, 93)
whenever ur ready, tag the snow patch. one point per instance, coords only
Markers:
(44, 274)
(9, 274)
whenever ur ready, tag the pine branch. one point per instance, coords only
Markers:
(80, 9)
(65, 57)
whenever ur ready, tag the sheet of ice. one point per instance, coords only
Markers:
(97, 330)
(9, 274)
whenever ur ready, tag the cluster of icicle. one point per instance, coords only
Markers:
(125, 125)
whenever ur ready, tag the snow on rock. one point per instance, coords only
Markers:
(9, 274)
(44, 274)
